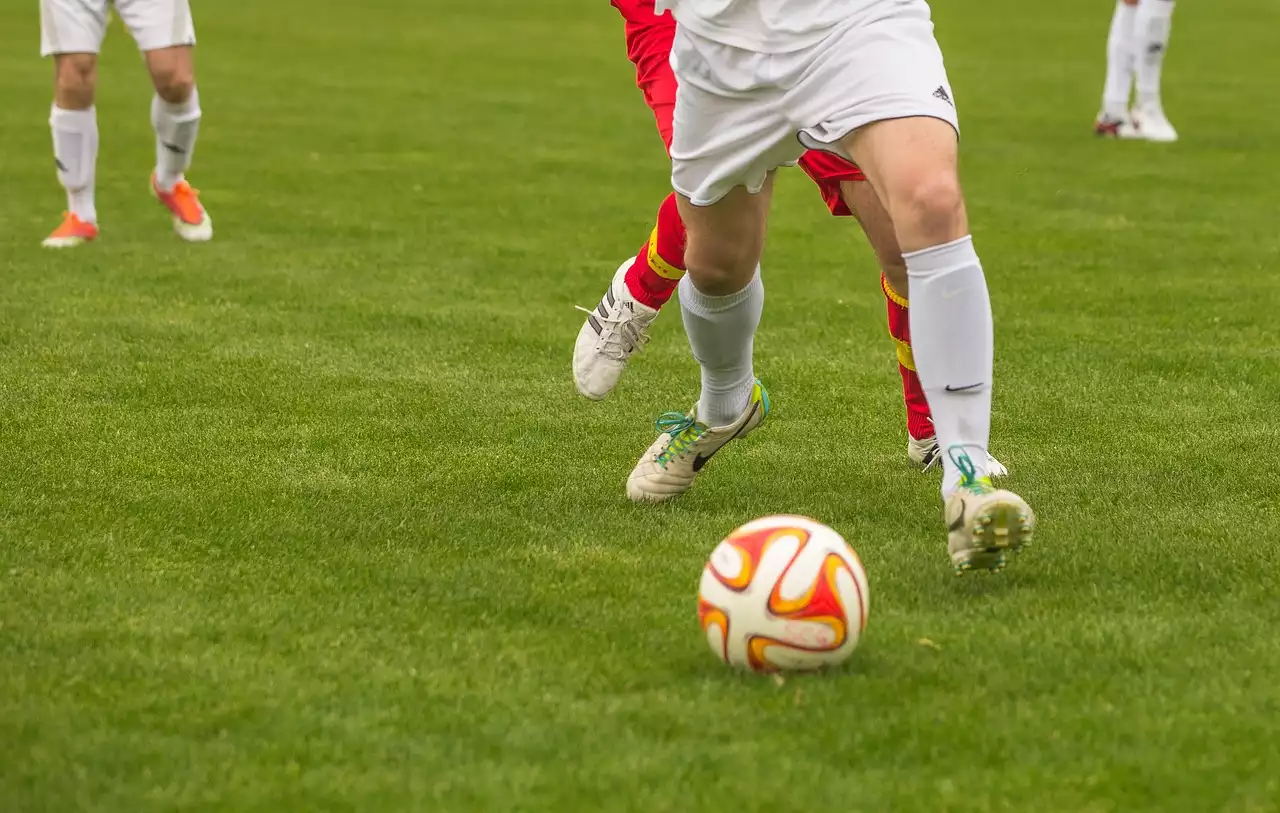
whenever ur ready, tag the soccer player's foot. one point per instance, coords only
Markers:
(190, 220)
(71, 232)
(612, 332)
(1108, 125)
(1151, 124)
(668, 467)
(985, 524)
(926, 454)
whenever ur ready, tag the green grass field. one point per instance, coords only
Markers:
(310, 518)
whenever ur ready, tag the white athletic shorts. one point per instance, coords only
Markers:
(78, 26)
(740, 114)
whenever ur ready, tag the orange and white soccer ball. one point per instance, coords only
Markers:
(783, 593)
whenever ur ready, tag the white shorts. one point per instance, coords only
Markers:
(78, 26)
(740, 114)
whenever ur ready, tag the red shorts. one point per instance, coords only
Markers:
(649, 38)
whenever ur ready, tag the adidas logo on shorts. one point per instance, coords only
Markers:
(942, 94)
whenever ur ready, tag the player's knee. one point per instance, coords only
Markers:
(174, 83)
(721, 271)
(719, 280)
(934, 206)
(75, 80)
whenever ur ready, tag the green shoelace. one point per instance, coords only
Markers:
(969, 478)
(684, 431)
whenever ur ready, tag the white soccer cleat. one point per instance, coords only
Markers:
(1149, 123)
(926, 454)
(613, 331)
(668, 467)
(985, 524)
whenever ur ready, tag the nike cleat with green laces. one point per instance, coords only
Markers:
(667, 469)
(984, 523)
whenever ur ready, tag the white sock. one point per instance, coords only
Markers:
(1120, 61)
(722, 333)
(1154, 21)
(75, 150)
(953, 345)
(176, 126)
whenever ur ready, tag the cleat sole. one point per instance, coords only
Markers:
(1002, 528)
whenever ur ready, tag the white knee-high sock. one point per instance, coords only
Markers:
(953, 344)
(75, 151)
(1153, 24)
(722, 333)
(176, 126)
(1121, 56)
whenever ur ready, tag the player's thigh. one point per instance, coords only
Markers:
(72, 26)
(861, 199)
(157, 24)
(725, 239)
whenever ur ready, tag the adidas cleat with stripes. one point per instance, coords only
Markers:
(616, 328)
(669, 466)
(985, 524)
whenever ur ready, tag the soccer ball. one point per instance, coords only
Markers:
(783, 593)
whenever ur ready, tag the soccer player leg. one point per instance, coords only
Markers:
(721, 300)
(1152, 26)
(618, 325)
(904, 137)
(165, 33)
(726, 146)
(860, 200)
(1121, 54)
(913, 160)
(71, 32)
(659, 265)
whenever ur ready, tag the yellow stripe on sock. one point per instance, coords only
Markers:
(660, 266)
(893, 295)
(905, 357)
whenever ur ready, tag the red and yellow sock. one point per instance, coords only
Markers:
(919, 419)
(653, 277)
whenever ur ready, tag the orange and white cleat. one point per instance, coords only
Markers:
(190, 220)
(71, 232)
